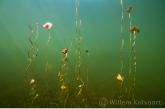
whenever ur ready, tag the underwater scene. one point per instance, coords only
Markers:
(82, 53)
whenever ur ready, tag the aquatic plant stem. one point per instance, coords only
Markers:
(47, 57)
(34, 87)
(47, 62)
(122, 39)
(30, 61)
(36, 54)
(130, 71)
(78, 55)
(134, 52)
(63, 81)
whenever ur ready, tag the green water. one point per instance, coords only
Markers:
(100, 32)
